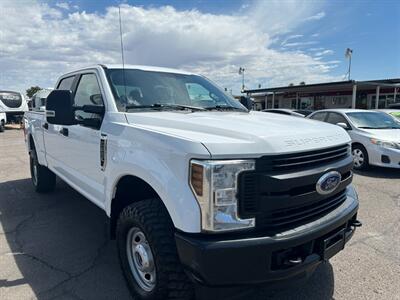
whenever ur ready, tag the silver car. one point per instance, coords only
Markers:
(375, 135)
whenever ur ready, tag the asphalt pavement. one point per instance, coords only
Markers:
(55, 246)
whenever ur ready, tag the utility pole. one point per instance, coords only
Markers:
(348, 54)
(241, 72)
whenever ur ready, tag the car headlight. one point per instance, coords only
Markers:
(385, 144)
(214, 183)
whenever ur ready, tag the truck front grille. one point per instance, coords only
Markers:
(281, 192)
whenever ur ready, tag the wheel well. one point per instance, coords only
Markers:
(129, 189)
(357, 144)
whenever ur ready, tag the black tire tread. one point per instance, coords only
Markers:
(46, 180)
(152, 217)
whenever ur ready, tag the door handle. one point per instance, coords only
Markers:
(64, 131)
(45, 126)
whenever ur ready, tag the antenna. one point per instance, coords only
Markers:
(122, 50)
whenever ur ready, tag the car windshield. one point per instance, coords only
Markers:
(137, 90)
(395, 114)
(373, 120)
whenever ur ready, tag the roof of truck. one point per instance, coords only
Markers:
(147, 68)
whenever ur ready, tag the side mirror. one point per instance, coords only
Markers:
(343, 125)
(59, 108)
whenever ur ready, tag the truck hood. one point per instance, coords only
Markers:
(391, 135)
(243, 134)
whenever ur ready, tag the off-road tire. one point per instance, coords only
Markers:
(152, 218)
(43, 179)
(361, 150)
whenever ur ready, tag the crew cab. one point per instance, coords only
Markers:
(199, 191)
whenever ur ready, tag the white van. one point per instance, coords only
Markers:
(13, 104)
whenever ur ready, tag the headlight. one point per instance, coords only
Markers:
(214, 183)
(385, 144)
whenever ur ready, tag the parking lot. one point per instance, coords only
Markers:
(55, 246)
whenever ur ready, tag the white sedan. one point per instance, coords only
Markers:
(375, 135)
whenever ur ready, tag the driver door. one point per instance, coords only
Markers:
(83, 158)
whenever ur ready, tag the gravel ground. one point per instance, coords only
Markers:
(55, 246)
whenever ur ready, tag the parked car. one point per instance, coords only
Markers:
(3, 120)
(284, 111)
(375, 135)
(304, 112)
(392, 112)
(13, 104)
(199, 190)
(38, 100)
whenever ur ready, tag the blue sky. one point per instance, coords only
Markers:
(277, 42)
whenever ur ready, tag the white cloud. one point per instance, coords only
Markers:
(318, 16)
(63, 5)
(324, 52)
(38, 51)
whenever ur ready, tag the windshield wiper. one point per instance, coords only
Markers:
(221, 107)
(160, 106)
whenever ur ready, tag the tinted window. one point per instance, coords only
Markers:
(143, 88)
(335, 118)
(373, 120)
(319, 116)
(87, 93)
(66, 83)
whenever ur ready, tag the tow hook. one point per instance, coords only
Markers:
(293, 261)
(356, 223)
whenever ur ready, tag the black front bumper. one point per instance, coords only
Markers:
(231, 260)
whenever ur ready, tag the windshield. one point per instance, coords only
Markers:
(373, 120)
(396, 114)
(138, 90)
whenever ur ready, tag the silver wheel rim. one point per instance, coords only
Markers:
(141, 261)
(358, 157)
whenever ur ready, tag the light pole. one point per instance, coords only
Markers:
(348, 54)
(241, 72)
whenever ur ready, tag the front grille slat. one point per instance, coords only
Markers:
(281, 192)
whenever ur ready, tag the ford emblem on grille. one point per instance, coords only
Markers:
(328, 182)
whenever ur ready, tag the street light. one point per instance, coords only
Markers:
(241, 72)
(348, 54)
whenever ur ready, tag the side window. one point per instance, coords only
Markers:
(319, 116)
(87, 93)
(66, 83)
(335, 118)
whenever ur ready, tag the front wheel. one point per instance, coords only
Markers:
(360, 157)
(148, 255)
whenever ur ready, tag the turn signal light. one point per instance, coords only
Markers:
(196, 178)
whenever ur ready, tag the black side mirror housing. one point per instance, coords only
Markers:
(59, 108)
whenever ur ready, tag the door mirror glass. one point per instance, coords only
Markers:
(59, 108)
(343, 125)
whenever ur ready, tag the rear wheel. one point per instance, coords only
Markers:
(1, 126)
(148, 255)
(360, 157)
(42, 178)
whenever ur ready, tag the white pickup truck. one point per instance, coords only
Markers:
(199, 191)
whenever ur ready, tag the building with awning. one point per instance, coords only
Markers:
(370, 94)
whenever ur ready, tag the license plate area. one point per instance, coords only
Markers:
(332, 244)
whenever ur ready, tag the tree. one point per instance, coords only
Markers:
(291, 84)
(32, 91)
(302, 83)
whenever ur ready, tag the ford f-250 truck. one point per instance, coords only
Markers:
(199, 191)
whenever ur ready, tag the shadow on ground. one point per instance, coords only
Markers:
(55, 246)
(378, 172)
